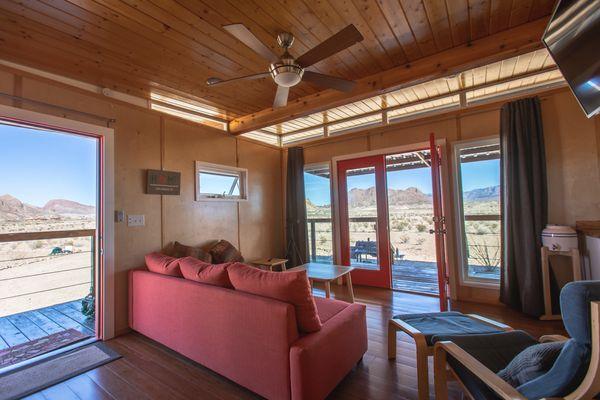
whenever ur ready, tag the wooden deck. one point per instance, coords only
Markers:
(415, 276)
(21, 328)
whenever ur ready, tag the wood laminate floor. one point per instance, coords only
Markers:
(150, 371)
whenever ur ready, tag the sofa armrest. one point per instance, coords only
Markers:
(320, 360)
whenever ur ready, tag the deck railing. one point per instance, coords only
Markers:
(490, 251)
(39, 269)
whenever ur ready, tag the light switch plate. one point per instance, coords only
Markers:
(136, 220)
(119, 216)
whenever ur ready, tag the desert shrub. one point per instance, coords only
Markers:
(403, 239)
(482, 230)
(420, 241)
(421, 227)
(399, 225)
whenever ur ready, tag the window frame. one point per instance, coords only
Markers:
(463, 261)
(328, 165)
(218, 169)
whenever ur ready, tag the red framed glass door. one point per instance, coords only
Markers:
(364, 235)
(439, 222)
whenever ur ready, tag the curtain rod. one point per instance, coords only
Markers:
(41, 103)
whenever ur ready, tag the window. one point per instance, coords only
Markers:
(317, 188)
(477, 166)
(220, 182)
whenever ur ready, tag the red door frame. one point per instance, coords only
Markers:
(99, 270)
(382, 276)
(439, 221)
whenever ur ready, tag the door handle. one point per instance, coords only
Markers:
(441, 231)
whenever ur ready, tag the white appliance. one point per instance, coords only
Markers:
(559, 238)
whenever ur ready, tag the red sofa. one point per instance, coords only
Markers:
(249, 339)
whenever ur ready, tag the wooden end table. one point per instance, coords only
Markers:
(269, 263)
(423, 350)
(327, 273)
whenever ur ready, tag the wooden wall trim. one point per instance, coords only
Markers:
(19, 75)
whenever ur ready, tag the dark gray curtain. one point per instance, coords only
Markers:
(296, 230)
(524, 204)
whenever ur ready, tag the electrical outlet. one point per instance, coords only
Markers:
(136, 220)
(119, 216)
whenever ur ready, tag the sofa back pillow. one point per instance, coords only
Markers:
(291, 287)
(181, 250)
(223, 252)
(163, 264)
(199, 271)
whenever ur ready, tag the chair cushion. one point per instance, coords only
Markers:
(445, 323)
(571, 365)
(494, 350)
(200, 271)
(291, 287)
(181, 250)
(328, 308)
(223, 252)
(163, 264)
(531, 363)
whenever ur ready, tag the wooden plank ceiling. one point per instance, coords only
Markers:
(170, 47)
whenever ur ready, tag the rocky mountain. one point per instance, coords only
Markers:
(483, 194)
(366, 197)
(13, 209)
(68, 207)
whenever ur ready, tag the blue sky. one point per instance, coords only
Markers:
(474, 175)
(480, 174)
(37, 166)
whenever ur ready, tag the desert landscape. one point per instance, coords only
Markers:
(410, 219)
(39, 273)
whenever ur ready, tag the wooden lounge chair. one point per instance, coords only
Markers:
(474, 360)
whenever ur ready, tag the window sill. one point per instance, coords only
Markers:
(480, 284)
(222, 199)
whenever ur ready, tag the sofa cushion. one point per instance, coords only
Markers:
(328, 308)
(200, 271)
(163, 264)
(291, 286)
(181, 250)
(223, 252)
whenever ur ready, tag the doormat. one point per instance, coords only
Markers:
(48, 372)
(34, 348)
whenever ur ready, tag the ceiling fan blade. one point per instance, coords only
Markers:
(338, 42)
(328, 81)
(281, 97)
(244, 35)
(217, 81)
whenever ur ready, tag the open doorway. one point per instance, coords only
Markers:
(49, 213)
(391, 222)
(410, 213)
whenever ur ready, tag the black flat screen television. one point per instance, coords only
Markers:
(573, 39)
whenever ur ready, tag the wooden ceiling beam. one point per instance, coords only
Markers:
(505, 44)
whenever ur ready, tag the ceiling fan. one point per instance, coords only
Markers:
(288, 71)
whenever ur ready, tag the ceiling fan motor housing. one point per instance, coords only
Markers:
(286, 72)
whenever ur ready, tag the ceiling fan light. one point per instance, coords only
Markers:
(286, 75)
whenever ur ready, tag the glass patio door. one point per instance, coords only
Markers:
(364, 235)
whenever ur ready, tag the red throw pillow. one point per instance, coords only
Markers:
(199, 271)
(163, 264)
(291, 286)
